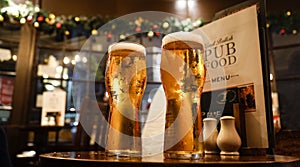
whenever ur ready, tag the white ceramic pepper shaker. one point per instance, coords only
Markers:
(210, 134)
(228, 139)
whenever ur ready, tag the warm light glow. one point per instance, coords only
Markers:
(180, 4)
(271, 77)
(37, 9)
(199, 22)
(59, 69)
(51, 16)
(14, 57)
(150, 34)
(36, 24)
(55, 83)
(77, 19)
(22, 21)
(185, 5)
(29, 18)
(67, 32)
(1, 18)
(94, 32)
(45, 76)
(191, 4)
(288, 13)
(84, 60)
(66, 60)
(122, 36)
(11, 10)
(165, 25)
(65, 76)
(73, 62)
(77, 58)
(57, 75)
(49, 87)
(106, 96)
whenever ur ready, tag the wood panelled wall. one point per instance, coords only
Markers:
(201, 8)
(198, 8)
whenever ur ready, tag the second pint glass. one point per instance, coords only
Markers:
(125, 80)
(183, 74)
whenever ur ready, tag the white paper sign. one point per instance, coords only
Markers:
(54, 103)
(233, 60)
(5, 54)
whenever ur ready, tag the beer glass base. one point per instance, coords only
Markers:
(211, 152)
(183, 155)
(234, 153)
(122, 153)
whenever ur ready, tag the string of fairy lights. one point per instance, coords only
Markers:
(72, 26)
(287, 22)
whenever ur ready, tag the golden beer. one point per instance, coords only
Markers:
(125, 80)
(183, 74)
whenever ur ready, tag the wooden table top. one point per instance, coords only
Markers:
(98, 158)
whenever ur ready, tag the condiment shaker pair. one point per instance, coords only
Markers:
(227, 140)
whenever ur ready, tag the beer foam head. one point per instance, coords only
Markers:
(182, 36)
(127, 45)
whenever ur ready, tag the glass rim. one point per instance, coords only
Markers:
(182, 36)
(127, 45)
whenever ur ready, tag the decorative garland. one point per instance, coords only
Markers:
(73, 26)
(285, 23)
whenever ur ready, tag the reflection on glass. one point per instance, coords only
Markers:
(183, 75)
(125, 83)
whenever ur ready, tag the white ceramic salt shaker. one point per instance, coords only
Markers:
(228, 139)
(210, 134)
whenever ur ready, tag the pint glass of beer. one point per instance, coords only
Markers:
(125, 79)
(183, 74)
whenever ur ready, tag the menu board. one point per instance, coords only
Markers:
(235, 82)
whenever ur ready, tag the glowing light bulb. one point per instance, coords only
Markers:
(77, 58)
(94, 32)
(77, 19)
(36, 24)
(271, 77)
(150, 34)
(66, 60)
(51, 16)
(37, 9)
(122, 36)
(84, 60)
(22, 21)
(14, 57)
(67, 32)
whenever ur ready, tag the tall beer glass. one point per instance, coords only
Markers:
(183, 74)
(125, 80)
